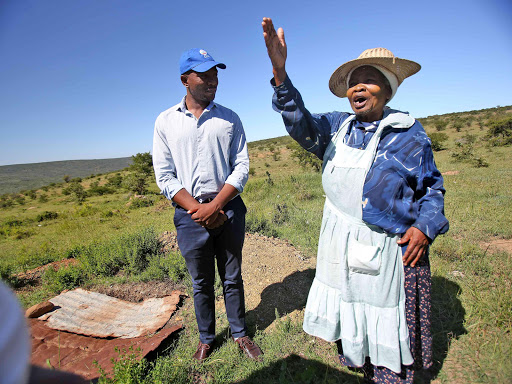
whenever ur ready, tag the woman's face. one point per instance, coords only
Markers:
(368, 93)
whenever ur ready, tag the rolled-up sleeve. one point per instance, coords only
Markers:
(163, 163)
(238, 157)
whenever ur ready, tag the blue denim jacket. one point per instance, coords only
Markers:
(403, 187)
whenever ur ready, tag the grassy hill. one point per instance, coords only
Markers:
(18, 177)
(112, 235)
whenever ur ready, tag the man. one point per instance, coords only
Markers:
(201, 164)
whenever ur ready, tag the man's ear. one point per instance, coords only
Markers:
(184, 80)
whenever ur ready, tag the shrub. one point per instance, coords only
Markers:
(500, 132)
(76, 189)
(43, 198)
(64, 278)
(306, 159)
(98, 190)
(85, 210)
(46, 215)
(464, 152)
(440, 125)
(136, 182)
(438, 139)
(115, 181)
(142, 202)
(457, 125)
(20, 199)
(259, 225)
(129, 252)
(32, 194)
(170, 266)
(281, 214)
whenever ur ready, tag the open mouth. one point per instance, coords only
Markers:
(359, 102)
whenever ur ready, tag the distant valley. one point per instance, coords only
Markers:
(17, 177)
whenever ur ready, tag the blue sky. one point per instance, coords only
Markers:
(86, 79)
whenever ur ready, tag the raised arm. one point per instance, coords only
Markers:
(276, 48)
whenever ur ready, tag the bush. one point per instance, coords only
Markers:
(136, 182)
(464, 152)
(440, 125)
(85, 210)
(259, 225)
(64, 278)
(170, 266)
(115, 181)
(457, 125)
(43, 198)
(76, 189)
(142, 202)
(500, 132)
(438, 139)
(129, 252)
(99, 190)
(46, 215)
(306, 159)
(281, 214)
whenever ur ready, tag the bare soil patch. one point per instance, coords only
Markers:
(501, 245)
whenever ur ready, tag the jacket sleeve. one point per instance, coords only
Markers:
(430, 197)
(163, 163)
(312, 131)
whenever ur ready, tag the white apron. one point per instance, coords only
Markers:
(358, 293)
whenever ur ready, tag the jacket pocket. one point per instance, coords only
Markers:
(363, 258)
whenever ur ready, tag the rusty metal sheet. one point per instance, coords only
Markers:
(76, 353)
(94, 314)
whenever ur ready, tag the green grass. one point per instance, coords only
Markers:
(115, 242)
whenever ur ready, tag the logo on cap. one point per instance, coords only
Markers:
(204, 53)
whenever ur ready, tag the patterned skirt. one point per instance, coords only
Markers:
(418, 286)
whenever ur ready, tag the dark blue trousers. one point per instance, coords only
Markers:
(200, 247)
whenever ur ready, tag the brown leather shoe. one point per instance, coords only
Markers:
(203, 351)
(249, 347)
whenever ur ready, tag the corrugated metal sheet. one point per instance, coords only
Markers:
(75, 353)
(94, 314)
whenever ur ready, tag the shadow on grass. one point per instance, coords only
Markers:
(447, 319)
(283, 297)
(296, 369)
(291, 294)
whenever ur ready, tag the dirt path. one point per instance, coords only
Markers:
(276, 277)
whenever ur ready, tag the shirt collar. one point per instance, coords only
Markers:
(183, 108)
(366, 126)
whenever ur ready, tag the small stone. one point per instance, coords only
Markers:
(39, 309)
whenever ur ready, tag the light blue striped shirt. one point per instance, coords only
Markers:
(200, 155)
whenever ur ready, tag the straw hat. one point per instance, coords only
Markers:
(376, 57)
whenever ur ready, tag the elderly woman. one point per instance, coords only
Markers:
(384, 206)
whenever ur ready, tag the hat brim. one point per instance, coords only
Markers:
(206, 66)
(401, 68)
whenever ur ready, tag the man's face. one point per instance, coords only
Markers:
(368, 93)
(202, 86)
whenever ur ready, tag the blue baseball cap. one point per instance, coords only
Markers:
(198, 60)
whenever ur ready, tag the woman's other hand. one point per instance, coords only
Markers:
(418, 244)
(276, 48)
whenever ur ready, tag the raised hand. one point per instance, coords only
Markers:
(276, 48)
